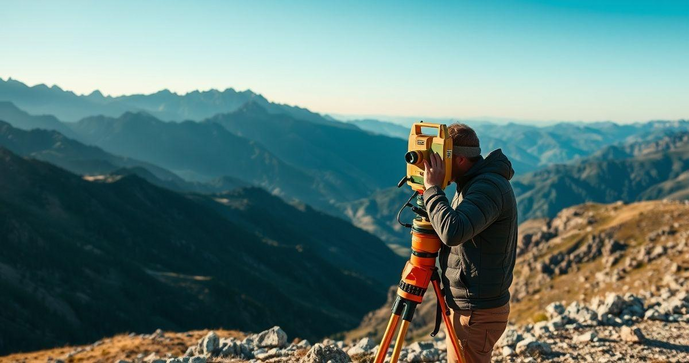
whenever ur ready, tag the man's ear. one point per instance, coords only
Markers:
(457, 161)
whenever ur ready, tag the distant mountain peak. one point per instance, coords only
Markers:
(9, 105)
(252, 107)
(96, 94)
(164, 92)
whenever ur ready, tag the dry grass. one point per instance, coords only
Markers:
(121, 347)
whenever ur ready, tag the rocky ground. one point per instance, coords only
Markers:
(646, 327)
(604, 283)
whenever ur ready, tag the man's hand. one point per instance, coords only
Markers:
(434, 171)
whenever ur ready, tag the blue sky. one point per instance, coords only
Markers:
(534, 60)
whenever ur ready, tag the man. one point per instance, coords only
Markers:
(479, 234)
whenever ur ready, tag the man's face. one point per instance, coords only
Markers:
(460, 165)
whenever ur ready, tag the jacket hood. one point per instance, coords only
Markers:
(496, 163)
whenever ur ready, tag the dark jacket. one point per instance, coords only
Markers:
(479, 234)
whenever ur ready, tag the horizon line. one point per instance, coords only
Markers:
(348, 117)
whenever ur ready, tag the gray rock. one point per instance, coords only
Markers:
(320, 353)
(654, 314)
(209, 344)
(197, 359)
(191, 351)
(273, 337)
(556, 323)
(612, 305)
(263, 354)
(364, 345)
(632, 335)
(246, 351)
(509, 338)
(585, 337)
(541, 329)
(581, 314)
(304, 344)
(428, 355)
(153, 358)
(229, 347)
(420, 346)
(555, 309)
(508, 352)
(532, 347)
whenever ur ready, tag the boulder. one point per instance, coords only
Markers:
(632, 335)
(556, 323)
(532, 347)
(509, 338)
(508, 352)
(541, 329)
(364, 345)
(555, 309)
(581, 314)
(264, 354)
(209, 344)
(612, 305)
(420, 346)
(654, 314)
(585, 337)
(191, 351)
(304, 344)
(271, 338)
(229, 347)
(320, 353)
(428, 355)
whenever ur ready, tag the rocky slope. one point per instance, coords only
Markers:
(648, 326)
(585, 252)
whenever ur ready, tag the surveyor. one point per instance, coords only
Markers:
(479, 234)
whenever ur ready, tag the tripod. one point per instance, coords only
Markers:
(418, 272)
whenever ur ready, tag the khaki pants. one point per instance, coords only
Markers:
(477, 331)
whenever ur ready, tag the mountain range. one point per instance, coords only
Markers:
(531, 148)
(68, 106)
(338, 169)
(636, 171)
(54, 147)
(317, 163)
(83, 259)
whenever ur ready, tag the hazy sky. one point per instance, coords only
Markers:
(536, 60)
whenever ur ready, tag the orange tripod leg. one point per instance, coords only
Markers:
(387, 338)
(399, 342)
(448, 324)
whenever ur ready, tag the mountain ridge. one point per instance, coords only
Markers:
(150, 257)
(169, 106)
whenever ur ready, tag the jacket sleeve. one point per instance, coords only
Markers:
(480, 207)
